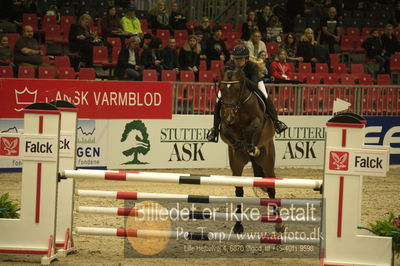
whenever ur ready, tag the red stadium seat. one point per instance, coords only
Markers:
(321, 68)
(226, 27)
(150, 75)
(115, 42)
(100, 55)
(26, 72)
(305, 68)
(87, 73)
(339, 69)
(181, 35)
(168, 75)
(383, 79)
(30, 19)
(272, 48)
(61, 61)
(6, 72)
(66, 73)
(46, 73)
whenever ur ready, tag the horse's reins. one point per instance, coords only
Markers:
(236, 107)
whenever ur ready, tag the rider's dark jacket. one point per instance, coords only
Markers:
(250, 70)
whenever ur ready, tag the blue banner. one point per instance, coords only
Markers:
(384, 130)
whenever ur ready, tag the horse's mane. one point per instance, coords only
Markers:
(233, 73)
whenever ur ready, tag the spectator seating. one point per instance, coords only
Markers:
(168, 75)
(66, 73)
(46, 73)
(6, 72)
(150, 75)
(26, 72)
(87, 73)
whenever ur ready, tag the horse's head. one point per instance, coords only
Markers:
(232, 86)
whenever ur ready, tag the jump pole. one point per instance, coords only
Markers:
(194, 215)
(34, 232)
(163, 197)
(195, 179)
(65, 195)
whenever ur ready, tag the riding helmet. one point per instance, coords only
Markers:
(240, 51)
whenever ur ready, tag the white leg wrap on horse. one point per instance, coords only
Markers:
(262, 88)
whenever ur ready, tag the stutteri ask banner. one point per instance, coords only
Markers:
(177, 143)
(95, 99)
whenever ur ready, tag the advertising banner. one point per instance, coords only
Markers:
(384, 130)
(11, 126)
(92, 149)
(95, 99)
(177, 143)
(303, 143)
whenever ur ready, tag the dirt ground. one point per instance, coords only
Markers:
(380, 195)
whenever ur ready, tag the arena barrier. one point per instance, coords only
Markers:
(347, 159)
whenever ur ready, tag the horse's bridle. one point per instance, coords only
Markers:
(237, 106)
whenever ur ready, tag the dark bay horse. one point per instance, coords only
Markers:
(246, 130)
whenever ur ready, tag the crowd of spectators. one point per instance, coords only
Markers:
(142, 46)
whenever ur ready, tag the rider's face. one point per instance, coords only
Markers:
(239, 62)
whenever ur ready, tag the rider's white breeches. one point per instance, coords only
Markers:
(261, 87)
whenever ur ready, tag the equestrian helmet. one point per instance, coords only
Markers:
(240, 51)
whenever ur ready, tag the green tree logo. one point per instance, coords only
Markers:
(137, 133)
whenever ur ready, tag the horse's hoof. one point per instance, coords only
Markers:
(280, 228)
(254, 152)
(238, 228)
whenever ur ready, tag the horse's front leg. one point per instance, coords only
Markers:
(230, 136)
(252, 134)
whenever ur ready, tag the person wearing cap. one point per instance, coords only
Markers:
(130, 23)
(240, 56)
(215, 47)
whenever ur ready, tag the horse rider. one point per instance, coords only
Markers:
(240, 57)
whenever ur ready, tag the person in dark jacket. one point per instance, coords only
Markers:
(151, 57)
(374, 49)
(389, 41)
(177, 20)
(215, 47)
(169, 56)
(111, 24)
(204, 27)
(189, 56)
(240, 57)
(249, 26)
(26, 50)
(306, 47)
(159, 17)
(80, 39)
(129, 61)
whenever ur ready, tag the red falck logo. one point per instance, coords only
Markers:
(339, 161)
(9, 146)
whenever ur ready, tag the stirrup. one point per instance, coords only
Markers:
(279, 126)
(212, 135)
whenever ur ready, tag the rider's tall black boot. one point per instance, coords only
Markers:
(214, 131)
(279, 125)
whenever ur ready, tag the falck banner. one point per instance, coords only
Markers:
(95, 99)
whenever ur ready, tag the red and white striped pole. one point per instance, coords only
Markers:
(202, 236)
(186, 214)
(197, 198)
(195, 179)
